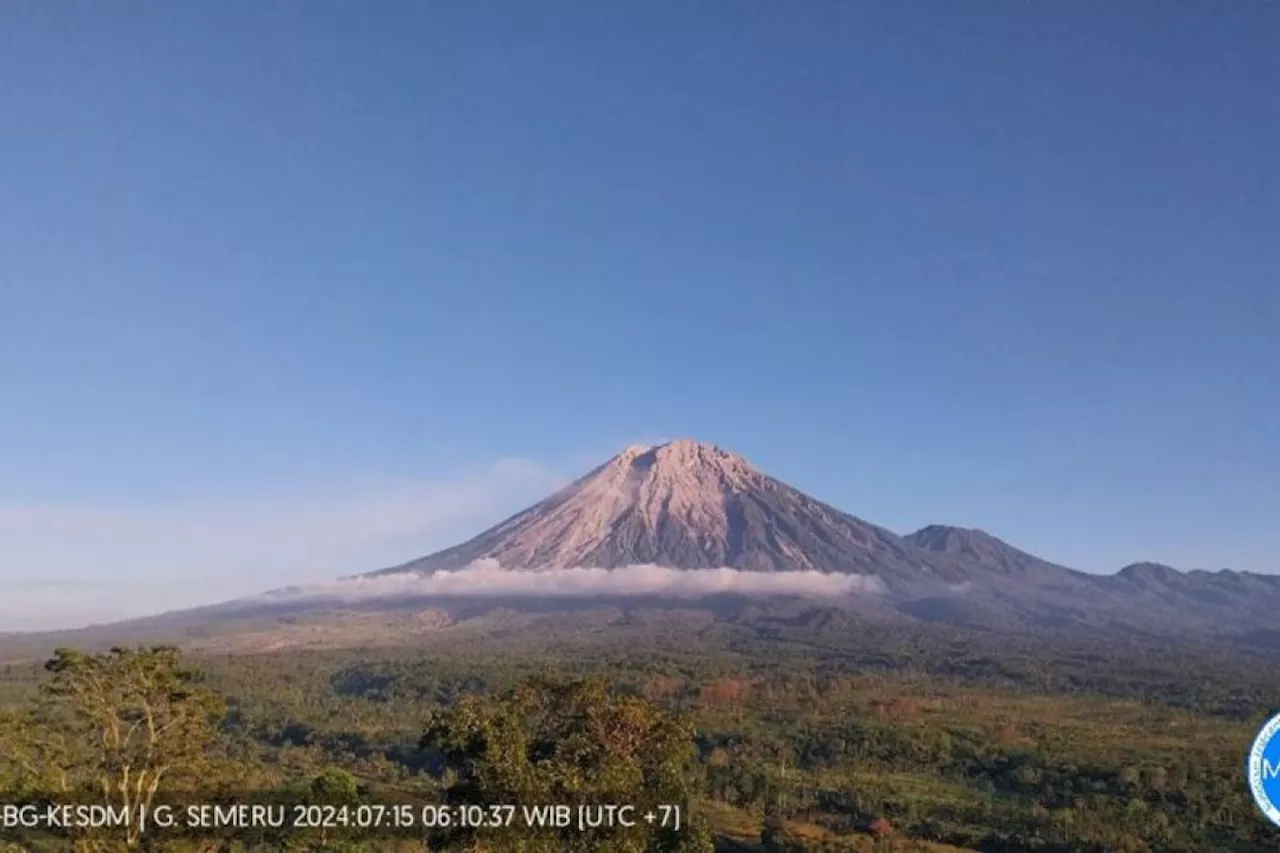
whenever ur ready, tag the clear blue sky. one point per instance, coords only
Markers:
(274, 267)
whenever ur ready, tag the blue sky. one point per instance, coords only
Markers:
(296, 289)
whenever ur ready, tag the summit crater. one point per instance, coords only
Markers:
(691, 505)
(684, 504)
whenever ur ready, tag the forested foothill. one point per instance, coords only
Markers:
(802, 736)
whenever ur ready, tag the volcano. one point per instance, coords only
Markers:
(684, 505)
(688, 505)
(688, 524)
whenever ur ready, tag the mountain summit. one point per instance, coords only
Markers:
(981, 547)
(686, 505)
(641, 526)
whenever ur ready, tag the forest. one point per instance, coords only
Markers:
(796, 736)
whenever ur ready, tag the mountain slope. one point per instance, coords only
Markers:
(981, 547)
(690, 506)
(1225, 600)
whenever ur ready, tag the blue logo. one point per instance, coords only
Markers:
(1264, 770)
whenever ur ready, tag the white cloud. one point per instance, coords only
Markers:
(487, 578)
(66, 566)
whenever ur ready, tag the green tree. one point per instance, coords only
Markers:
(117, 727)
(335, 786)
(569, 743)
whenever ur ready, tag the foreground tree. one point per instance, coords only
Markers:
(575, 744)
(114, 729)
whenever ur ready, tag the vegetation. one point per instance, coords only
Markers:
(570, 743)
(768, 738)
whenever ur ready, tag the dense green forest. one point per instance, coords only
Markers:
(795, 736)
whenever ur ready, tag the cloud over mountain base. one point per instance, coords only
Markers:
(486, 578)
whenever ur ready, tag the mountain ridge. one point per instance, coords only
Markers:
(690, 505)
(725, 529)
(683, 504)
(974, 543)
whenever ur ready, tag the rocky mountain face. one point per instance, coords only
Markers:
(662, 512)
(689, 505)
(686, 505)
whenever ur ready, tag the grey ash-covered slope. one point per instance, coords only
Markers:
(690, 505)
(687, 505)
